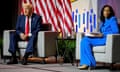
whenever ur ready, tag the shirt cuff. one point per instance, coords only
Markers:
(30, 34)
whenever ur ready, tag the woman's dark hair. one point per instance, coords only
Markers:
(102, 18)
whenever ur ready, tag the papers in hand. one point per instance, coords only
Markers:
(91, 34)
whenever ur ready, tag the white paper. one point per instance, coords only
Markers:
(89, 34)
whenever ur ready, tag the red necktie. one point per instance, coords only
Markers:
(27, 26)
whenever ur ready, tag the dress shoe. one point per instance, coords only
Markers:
(13, 61)
(83, 67)
(24, 61)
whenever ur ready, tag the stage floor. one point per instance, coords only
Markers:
(33, 67)
(66, 67)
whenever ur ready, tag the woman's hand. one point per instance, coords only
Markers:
(97, 34)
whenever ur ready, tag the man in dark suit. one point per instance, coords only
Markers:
(27, 28)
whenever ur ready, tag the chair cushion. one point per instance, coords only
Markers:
(22, 44)
(99, 49)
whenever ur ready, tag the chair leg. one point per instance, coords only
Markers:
(4, 60)
(77, 62)
(112, 66)
(104, 64)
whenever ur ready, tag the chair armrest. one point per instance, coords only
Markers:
(6, 42)
(113, 48)
(46, 43)
(45, 27)
(9, 30)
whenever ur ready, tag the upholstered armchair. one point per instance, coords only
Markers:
(45, 46)
(109, 53)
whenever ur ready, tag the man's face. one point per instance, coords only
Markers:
(27, 10)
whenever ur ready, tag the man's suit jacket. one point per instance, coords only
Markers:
(36, 22)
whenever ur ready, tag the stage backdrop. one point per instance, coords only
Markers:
(84, 15)
(68, 15)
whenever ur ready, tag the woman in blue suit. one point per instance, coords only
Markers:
(108, 25)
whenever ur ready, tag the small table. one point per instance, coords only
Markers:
(63, 48)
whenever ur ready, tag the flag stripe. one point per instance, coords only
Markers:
(53, 11)
(68, 8)
(51, 18)
(43, 10)
(60, 13)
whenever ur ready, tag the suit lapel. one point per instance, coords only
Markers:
(23, 23)
(32, 21)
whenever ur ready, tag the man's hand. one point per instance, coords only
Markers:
(23, 36)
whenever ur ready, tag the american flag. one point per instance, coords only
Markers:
(56, 12)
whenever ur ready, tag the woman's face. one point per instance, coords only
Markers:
(106, 12)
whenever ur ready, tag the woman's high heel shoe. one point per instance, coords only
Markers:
(83, 67)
